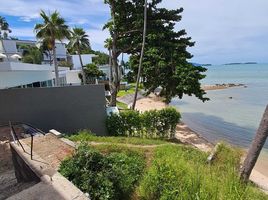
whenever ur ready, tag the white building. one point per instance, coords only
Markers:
(14, 73)
(86, 59)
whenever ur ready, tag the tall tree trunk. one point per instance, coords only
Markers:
(57, 81)
(111, 68)
(116, 81)
(50, 58)
(82, 66)
(141, 56)
(255, 148)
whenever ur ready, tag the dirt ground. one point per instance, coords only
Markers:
(50, 148)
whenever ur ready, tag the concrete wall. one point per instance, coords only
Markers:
(72, 77)
(22, 171)
(66, 109)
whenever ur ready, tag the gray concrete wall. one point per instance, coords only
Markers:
(22, 171)
(66, 109)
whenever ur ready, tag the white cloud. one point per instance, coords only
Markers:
(223, 30)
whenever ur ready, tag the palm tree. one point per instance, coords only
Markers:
(141, 56)
(46, 49)
(78, 41)
(31, 54)
(4, 27)
(53, 28)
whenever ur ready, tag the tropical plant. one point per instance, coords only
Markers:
(79, 40)
(51, 29)
(4, 28)
(92, 72)
(31, 54)
(46, 49)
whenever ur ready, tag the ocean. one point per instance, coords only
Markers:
(234, 120)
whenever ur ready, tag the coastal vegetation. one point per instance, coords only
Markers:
(118, 168)
(165, 62)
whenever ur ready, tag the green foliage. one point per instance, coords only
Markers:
(4, 27)
(110, 176)
(130, 77)
(121, 105)
(182, 173)
(150, 124)
(31, 54)
(101, 59)
(65, 64)
(52, 28)
(78, 40)
(92, 71)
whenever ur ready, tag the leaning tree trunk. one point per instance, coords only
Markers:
(255, 148)
(82, 67)
(57, 81)
(141, 57)
(116, 81)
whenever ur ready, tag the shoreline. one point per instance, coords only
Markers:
(188, 136)
(222, 86)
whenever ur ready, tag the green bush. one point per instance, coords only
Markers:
(150, 124)
(111, 176)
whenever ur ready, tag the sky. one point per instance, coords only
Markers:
(224, 30)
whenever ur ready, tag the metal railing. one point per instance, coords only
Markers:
(28, 129)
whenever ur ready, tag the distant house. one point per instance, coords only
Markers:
(14, 73)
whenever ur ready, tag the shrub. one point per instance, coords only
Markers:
(111, 176)
(150, 124)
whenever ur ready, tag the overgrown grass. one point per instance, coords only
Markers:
(131, 90)
(121, 105)
(173, 171)
(89, 137)
(182, 173)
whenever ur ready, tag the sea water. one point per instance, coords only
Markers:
(233, 114)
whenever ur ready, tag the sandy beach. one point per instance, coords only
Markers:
(186, 135)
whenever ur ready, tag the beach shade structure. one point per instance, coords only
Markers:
(16, 56)
(2, 55)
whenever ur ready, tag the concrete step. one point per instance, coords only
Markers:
(11, 188)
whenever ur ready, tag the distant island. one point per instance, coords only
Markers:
(199, 65)
(246, 63)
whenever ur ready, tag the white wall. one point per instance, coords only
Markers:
(86, 59)
(72, 77)
(17, 78)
